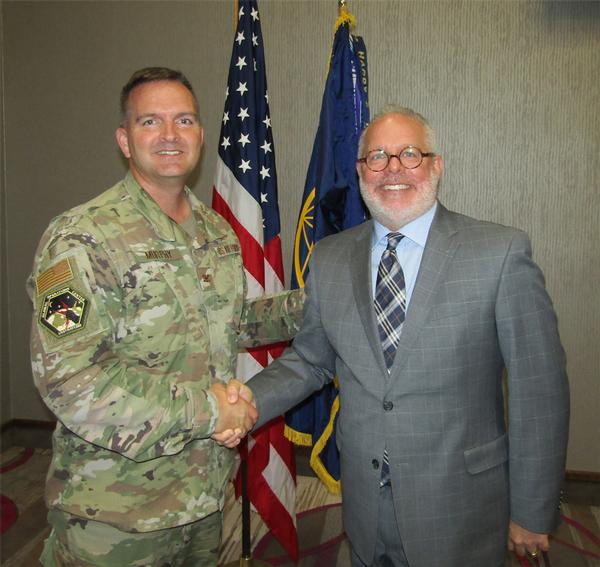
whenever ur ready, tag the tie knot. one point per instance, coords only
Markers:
(394, 239)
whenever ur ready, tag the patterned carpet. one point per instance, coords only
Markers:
(322, 543)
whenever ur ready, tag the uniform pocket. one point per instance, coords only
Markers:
(154, 328)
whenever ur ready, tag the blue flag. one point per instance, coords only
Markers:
(331, 202)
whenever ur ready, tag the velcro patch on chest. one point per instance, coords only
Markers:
(165, 255)
(56, 275)
(227, 249)
(206, 277)
(64, 311)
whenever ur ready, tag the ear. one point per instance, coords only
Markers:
(438, 165)
(123, 142)
(201, 137)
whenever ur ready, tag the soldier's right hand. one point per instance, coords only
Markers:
(238, 416)
(236, 390)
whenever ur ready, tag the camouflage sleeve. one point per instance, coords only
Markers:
(81, 370)
(271, 318)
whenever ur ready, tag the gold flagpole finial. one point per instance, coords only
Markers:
(344, 16)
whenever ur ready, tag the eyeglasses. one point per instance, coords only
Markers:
(410, 158)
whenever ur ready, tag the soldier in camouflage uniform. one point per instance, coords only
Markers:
(139, 312)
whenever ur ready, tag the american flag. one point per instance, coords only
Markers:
(245, 193)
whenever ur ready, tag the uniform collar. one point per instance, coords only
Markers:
(164, 226)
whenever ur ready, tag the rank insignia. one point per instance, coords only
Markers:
(206, 277)
(64, 311)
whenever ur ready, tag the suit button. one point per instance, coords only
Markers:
(375, 464)
(388, 406)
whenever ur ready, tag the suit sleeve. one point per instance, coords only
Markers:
(302, 369)
(538, 392)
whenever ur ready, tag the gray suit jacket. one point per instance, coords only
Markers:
(458, 473)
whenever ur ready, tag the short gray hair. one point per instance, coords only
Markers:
(402, 111)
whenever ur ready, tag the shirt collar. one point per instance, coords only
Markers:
(416, 230)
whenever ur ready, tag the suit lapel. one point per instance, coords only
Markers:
(363, 295)
(440, 248)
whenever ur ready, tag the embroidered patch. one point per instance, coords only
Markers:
(64, 311)
(227, 249)
(206, 277)
(58, 274)
(162, 255)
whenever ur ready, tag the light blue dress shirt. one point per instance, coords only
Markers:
(409, 251)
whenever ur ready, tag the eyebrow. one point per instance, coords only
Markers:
(146, 115)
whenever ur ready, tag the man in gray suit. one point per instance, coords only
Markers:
(432, 474)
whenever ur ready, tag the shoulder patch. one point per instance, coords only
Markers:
(56, 275)
(64, 311)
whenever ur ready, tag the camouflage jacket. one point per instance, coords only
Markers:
(133, 320)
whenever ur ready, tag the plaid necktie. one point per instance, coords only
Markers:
(390, 309)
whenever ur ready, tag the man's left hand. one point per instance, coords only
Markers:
(523, 542)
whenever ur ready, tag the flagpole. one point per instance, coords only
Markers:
(246, 559)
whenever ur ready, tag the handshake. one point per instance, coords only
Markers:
(237, 412)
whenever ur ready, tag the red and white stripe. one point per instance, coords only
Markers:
(271, 466)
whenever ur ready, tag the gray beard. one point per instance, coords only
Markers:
(395, 219)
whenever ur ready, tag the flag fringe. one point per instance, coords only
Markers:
(345, 17)
(333, 485)
(297, 437)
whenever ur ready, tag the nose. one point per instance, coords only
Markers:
(169, 131)
(395, 164)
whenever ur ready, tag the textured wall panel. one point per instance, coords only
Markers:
(511, 87)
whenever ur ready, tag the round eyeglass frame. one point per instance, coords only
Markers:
(402, 157)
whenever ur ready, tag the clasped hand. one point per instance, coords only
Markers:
(237, 412)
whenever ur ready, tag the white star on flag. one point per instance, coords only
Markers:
(245, 193)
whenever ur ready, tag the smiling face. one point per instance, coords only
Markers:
(396, 195)
(161, 136)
